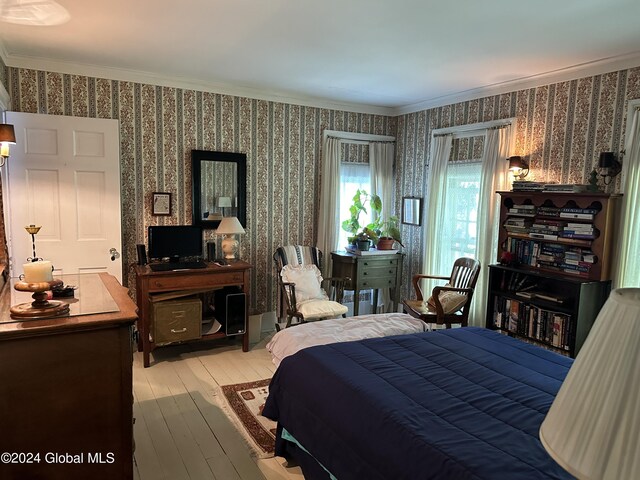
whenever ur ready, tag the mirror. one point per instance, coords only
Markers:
(411, 214)
(218, 181)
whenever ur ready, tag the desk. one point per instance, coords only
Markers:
(196, 280)
(369, 272)
(66, 386)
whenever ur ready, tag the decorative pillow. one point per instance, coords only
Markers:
(451, 301)
(307, 279)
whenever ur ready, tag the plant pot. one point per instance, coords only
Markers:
(386, 243)
(363, 245)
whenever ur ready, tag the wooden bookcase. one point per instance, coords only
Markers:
(556, 277)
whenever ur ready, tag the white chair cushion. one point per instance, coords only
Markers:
(321, 309)
(307, 279)
(451, 301)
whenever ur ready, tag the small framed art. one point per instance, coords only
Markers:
(161, 203)
(411, 210)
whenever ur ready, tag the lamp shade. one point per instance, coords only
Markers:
(230, 226)
(517, 162)
(593, 426)
(7, 133)
(607, 160)
(224, 202)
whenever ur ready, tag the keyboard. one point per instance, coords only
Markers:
(167, 267)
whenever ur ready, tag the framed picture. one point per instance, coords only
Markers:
(161, 203)
(412, 210)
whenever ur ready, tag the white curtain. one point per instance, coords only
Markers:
(381, 156)
(627, 273)
(329, 211)
(494, 176)
(437, 194)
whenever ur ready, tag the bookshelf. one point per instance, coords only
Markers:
(554, 277)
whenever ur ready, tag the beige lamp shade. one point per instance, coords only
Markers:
(593, 426)
(224, 202)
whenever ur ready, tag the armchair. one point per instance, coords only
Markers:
(300, 286)
(450, 303)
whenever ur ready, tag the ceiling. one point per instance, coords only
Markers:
(381, 56)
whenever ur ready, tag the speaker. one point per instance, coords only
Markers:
(231, 306)
(211, 251)
(142, 254)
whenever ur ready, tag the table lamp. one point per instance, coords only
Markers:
(224, 202)
(593, 426)
(230, 227)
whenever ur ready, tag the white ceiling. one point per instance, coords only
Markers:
(381, 56)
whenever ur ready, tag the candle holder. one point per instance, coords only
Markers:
(40, 307)
(33, 230)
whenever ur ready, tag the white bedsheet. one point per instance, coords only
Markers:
(288, 341)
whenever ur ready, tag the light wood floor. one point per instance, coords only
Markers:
(179, 431)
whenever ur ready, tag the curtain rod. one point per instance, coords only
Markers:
(360, 142)
(365, 137)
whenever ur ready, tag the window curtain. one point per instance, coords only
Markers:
(437, 194)
(494, 176)
(329, 211)
(381, 156)
(628, 263)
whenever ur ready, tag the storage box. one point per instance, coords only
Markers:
(177, 320)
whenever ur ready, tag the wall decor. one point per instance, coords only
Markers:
(161, 203)
(412, 210)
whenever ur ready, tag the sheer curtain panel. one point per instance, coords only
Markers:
(329, 211)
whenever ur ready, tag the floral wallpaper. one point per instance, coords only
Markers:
(559, 128)
(159, 126)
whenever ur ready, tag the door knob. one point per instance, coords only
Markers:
(114, 254)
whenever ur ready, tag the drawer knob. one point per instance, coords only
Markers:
(182, 330)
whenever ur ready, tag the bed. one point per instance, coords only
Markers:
(463, 403)
(290, 340)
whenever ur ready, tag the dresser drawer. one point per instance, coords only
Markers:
(177, 321)
(366, 264)
(366, 283)
(377, 272)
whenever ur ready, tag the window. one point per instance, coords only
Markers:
(460, 220)
(354, 176)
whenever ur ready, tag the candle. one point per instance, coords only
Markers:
(36, 272)
(4, 149)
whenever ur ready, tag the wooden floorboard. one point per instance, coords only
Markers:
(180, 430)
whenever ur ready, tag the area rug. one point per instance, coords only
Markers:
(243, 404)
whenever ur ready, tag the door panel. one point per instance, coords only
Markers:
(64, 175)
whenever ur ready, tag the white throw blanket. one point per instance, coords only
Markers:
(288, 341)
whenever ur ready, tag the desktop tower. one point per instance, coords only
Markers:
(230, 310)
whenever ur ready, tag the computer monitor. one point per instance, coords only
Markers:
(175, 241)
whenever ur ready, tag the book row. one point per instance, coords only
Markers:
(522, 318)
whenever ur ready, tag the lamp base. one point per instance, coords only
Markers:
(230, 247)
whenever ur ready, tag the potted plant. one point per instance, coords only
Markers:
(388, 233)
(360, 201)
(363, 242)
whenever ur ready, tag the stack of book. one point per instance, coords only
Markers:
(584, 231)
(578, 213)
(518, 225)
(565, 188)
(549, 211)
(523, 210)
(524, 186)
(547, 229)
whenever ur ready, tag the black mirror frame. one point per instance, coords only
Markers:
(416, 219)
(199, 156)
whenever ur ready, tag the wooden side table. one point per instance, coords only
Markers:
(369, 272)
(190, 281)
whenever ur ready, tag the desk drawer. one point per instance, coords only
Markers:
(366, 264)
(195, 280)
(366, 283)
(377, 272)
(177, 321)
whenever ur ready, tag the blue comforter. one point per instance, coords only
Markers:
(464, 403)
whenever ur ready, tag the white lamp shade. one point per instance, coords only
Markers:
(224, 202)
(593, 426)
(230, 226)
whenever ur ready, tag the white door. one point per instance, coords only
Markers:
(64, 175)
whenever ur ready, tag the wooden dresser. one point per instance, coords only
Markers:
(66, 389)
(369, 272)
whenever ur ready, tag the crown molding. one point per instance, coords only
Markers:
(128, 75)
(587, 69)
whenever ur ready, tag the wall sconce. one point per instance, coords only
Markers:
(609, 166)
(518, 166)
(7, 136)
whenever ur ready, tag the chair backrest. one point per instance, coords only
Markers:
(297, 255)
(465, 273)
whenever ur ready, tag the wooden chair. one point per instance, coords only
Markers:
(306, 309)
(461, 283)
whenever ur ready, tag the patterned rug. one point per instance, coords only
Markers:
(243, 403)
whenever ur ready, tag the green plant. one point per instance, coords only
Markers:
(378, 227)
